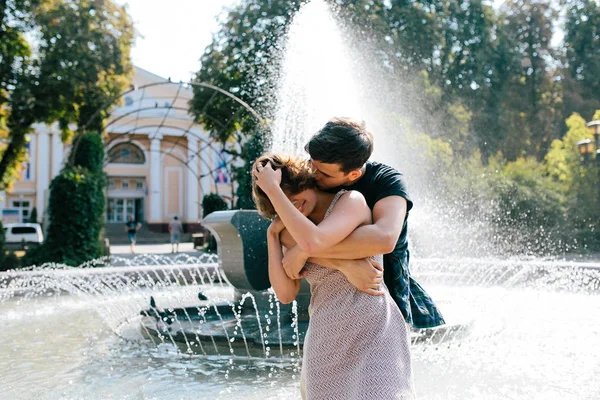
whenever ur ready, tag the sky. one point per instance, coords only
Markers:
(171, 38)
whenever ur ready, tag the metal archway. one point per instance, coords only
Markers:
(170, 113)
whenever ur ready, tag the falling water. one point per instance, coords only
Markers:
(316, 81)
(526, 327)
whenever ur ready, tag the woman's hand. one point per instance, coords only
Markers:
(293, 263)
(267, 178)
(276, 226)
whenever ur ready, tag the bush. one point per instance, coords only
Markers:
(213, 202)
(33, 218)
(88, 152)
(2, 247)
(10, 262)
(210, 203)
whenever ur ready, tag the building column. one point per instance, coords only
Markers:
(43, 168)
(192, 180)
(205, 182)
(57, 153)
(155, 181)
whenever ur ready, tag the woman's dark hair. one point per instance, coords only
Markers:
(342, 141)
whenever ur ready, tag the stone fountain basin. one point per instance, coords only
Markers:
(221, 328)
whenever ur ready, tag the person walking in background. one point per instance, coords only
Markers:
(132, 227)
(175, 229)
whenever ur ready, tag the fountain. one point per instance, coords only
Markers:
(206, 327)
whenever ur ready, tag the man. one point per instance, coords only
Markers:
(131, 227)
(175, 229)
(339, 155)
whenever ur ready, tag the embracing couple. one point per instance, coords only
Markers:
(340, 221)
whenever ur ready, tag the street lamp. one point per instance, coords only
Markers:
(594, 127)
(588, 148)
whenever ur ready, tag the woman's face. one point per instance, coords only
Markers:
(304, 201)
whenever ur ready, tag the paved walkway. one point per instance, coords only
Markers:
(123, 249)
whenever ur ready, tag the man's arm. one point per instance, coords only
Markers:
(369, 240)
(366, 275)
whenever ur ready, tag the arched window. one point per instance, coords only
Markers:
(126, 153)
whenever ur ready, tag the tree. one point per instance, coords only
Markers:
(579, 182)
(241, 60)
(76, 208)
(80, 63)
(84, 55)
(16, 19)
(533, 96)
(582, 58)
(251, 150)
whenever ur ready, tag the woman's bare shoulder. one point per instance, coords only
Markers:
(354, 198)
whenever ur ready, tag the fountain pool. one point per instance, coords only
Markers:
(532, 334)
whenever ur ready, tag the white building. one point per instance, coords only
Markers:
(158, 161)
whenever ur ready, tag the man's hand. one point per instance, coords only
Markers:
(293, 263)
(365, 274)
(276, 226)
(267, 178)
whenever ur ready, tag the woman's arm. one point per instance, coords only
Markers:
(285, 288)
(350, 212)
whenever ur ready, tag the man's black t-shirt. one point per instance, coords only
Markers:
(417, 307)
(378, 182)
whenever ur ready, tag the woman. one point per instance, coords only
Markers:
(357, 345)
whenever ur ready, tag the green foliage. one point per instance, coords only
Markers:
(213, 202)
(76, 209)
(251, 150)
(33, 218)
(528, 198)
(81, 61)
(86, 152)
(579, 182)
(505, 95)
(240, 60)
(582, 57)
(10, 261)
(210, 203)
(563, 160)
(2, 245)
(84, 55)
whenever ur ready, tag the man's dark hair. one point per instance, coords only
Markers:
(342, 141)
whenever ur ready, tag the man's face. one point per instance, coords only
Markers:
(329, 176)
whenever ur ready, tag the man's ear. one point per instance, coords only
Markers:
(354, 175)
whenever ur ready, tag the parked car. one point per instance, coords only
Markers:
(22, 236)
